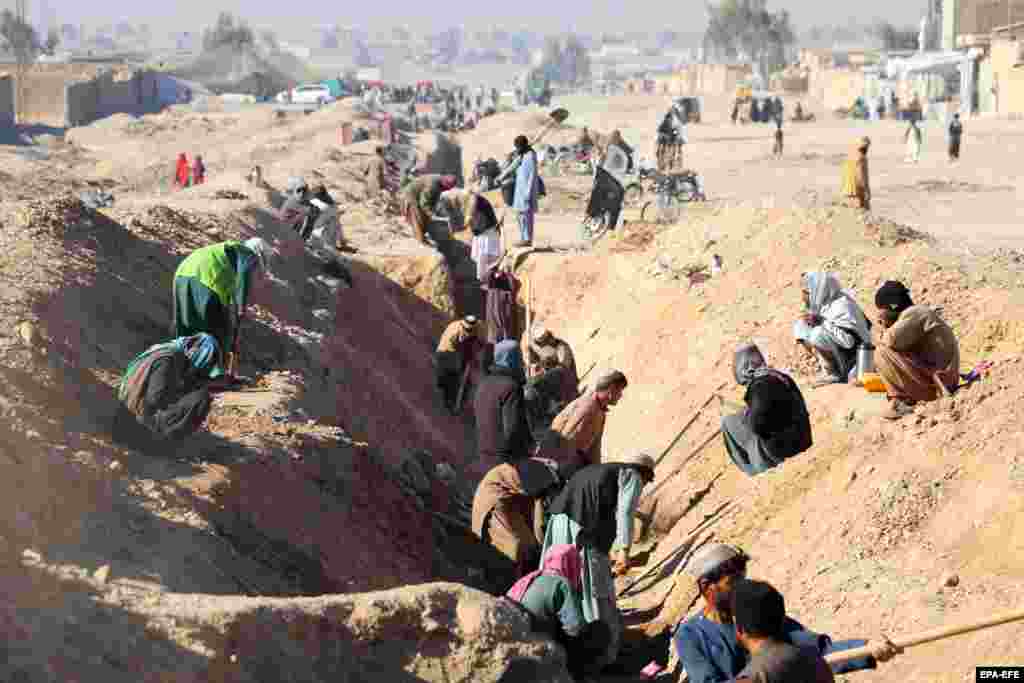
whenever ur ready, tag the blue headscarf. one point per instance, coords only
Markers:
(203, 352)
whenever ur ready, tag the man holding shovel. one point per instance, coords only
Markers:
(452, 359)
(707, 643)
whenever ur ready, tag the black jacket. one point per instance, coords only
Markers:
(484, 218)
(501, 427)
(590, 499)
(545, 397)
(777, 413)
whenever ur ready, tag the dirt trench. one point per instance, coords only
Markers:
(283, 494)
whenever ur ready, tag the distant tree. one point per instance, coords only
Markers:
(269, 39)
(227, 31)
(893, 38)
(52, 41)
(19, 36)
(68, 32)
(745, 28)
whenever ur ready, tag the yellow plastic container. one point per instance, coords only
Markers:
(872, 382)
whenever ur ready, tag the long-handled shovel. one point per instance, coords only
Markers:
(931, 636)
(462, 389)
(557, 117)
(689, 424)
(679, 468)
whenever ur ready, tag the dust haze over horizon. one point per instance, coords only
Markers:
(588, 16)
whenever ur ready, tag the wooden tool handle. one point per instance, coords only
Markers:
(462, 388)
(931, 636)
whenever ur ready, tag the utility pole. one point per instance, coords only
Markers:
(22, 51)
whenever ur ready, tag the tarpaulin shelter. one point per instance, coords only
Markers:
(964, 63)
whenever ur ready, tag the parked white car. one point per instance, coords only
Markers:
(308, 94)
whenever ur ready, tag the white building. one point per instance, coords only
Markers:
(618, 51)
(300, 51)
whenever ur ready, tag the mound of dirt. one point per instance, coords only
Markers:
(438, 153)
(875, 510)
(438, 633)
(280, 494)
(162, 221)
(54, 216)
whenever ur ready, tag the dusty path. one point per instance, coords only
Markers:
(970, 204)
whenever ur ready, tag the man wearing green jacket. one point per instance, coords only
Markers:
(211, 289)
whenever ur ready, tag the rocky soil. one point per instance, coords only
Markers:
(336, 473)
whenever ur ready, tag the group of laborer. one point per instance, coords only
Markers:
(552, 501)
(549, 500)
(757, 110)
(916, 355)
(306, 210)
(167, 387)
(743, 634)
(428, 194)
(186, 174)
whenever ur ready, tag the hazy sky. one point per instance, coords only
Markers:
(587, 15)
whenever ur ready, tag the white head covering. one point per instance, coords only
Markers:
(822, 289)
(259, 246)
(539, 332)
(836, 305)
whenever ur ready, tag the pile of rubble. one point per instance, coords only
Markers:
(230, 194)
(890, 234)
(668, 267)
(53, 215)
(165, 221)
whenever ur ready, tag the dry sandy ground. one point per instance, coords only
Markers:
(857, 532)
(972, 204)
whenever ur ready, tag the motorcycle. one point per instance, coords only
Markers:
(570, 158)
(671, 190)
